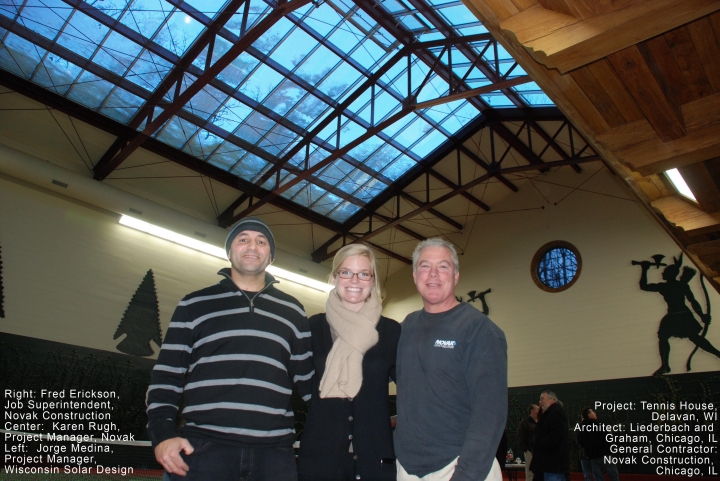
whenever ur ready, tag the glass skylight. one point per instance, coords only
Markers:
(282, 102)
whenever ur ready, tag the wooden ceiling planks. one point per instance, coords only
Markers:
(640, 79)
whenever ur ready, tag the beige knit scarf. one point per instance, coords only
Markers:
(356, 334)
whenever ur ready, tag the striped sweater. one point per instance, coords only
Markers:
(233, 358)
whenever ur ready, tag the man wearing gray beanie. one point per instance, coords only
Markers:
(233, 352)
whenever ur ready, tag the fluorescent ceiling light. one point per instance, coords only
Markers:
(216, 251)
(680, 185)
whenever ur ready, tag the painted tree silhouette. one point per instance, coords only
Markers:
(141, 321)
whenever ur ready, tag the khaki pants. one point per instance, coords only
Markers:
(528, 459)
(446, 473)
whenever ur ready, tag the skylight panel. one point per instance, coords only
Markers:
(112, 9)
(465, 114)
(323, 19)
(238, 70)
(532, 94)
(429, 36)
(346, 37)
(416, 23)
(269, 40)
(413, 132)
(117, 53)
(293, 50)
(207, 7)
(148, 70)
(395, 170)
(203, 144)
(82, 35)
(45, 18)
(176, 132)
(458, 15)
(496, 99)
(179, 33)
(385, 105)
(220, 48)
(318, 65)
(255, 127)
(205, 102)
(278, 140)
(230, 115)
(369, 54)
(472, 30)
(399, 124)
(249, 167)
(226, 156)
(370, 190)
(90, 90)
(261, 83)
(121, 105)
(56, 74)
(259, 9)
(20, 56)
(271, 182)
(344, 211)
(10, 10)
(299, 193)
(285, 97)
(335, 172)
(293, 191)
(310, 110)
(382, 158)
(339, 81)
(436, 87)
(393, 6)
(367, 148)
(428, 142)
(326, 203)
(146, 16)
(354, 181)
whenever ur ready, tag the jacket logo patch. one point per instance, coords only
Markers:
(445, 344)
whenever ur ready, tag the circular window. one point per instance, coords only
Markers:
(556, 266)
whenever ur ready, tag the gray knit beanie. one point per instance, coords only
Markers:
(253, 224)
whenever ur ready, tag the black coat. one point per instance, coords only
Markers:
(325, 440)
(551, 449)
(593, 442)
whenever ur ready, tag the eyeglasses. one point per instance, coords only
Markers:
(346, 274)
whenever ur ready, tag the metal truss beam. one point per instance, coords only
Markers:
(113, 127)
(113, 157)
(466, 187)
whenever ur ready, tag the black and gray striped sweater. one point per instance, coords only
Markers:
(234, 358)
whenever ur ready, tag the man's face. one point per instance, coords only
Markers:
(435, 278)
(535, 411)
(592, 415)
(545, 402)
(249, 253)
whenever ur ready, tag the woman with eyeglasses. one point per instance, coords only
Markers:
(347, 434)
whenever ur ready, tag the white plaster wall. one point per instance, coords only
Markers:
(604, 326)
(69, 270)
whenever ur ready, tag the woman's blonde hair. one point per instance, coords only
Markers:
(357, 250)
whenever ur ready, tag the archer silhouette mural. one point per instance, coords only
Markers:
(679, 321)
(477, 296)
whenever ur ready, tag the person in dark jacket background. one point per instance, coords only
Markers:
(525, 434)
(348, 435)
(551, 451)
(592, 439)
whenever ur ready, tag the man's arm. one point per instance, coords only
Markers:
(301, 366)
(165, 393)
(522, 435)
(486, 377)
